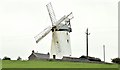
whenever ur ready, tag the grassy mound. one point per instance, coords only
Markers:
(53, 64)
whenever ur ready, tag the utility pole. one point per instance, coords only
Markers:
(87, 42)
(104, 52)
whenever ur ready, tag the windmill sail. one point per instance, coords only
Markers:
(51, 13)
(42, 34)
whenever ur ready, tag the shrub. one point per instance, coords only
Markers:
(85, 57)
(116, 60)
(6, 58)
(91, 58)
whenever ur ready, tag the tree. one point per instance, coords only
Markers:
(116, 60)
(19, 58)
(6, 58)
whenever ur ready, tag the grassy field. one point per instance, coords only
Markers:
(53, 64)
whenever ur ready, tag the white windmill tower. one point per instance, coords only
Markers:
(60, 45)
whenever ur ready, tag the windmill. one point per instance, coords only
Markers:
(60, 45)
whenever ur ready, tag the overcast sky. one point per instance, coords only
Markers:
(21, 20)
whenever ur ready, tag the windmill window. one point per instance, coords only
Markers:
(67, 40)
(67, 33)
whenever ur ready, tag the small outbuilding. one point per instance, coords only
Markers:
(38, 56)
(66, 58)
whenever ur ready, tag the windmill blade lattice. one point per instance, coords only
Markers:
(51, 13)
(42, 34)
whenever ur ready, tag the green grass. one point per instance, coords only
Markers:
(53, 64)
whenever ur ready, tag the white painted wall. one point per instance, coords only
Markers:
(62, 48)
